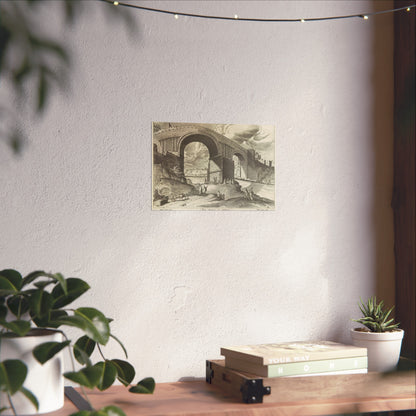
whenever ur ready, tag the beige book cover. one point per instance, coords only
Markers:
(267, 354)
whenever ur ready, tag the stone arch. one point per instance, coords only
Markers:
(240, 169)
(209, 142)
(215, 168)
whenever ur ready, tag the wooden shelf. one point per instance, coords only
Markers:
(307, 396)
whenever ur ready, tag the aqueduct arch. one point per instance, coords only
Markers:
(171, 142)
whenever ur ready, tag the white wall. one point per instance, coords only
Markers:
(182, 284)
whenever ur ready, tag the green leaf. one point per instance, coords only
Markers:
(45, 351)
(30, 396)
(20, 73)
(13, 276)
(125, 371)
(18, 327)
(18, 305)
(98, 328)
(83, 349)
(105, 411)
(54, 277)
(145, 386)
(55, 316)
(43, 89)
(3, 312)
(89, 320)
(12, 375)
(83, 413)
(40, 304)
(108, 374)
(7, 287)
(75, 321)
(88, 376)
(110, 411)
(75, 288)
(31, 277)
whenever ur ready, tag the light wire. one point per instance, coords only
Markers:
(250, 19)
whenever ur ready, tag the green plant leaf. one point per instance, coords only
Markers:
(21, 72)
(105, 411)
(145, 386)
(40, 304)
(374, 317)
(108, 374)
(55, 316)
(29, 395)
(3, 312)
(83, 413)
(54, 277)
(75, 321)
(31, 277)
(18, 305)
(45, 351)
(88, 376)
(83, 349)
(98, 328)
(6, 287)
(19, 327)
(75, 288)
(13, 276)
(110, 411)
(12, 375)
(43, 89)
(125, 371)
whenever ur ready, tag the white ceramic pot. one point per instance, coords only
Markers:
(44, 381)
(383, 348)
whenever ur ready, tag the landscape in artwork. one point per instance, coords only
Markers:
(213, 166)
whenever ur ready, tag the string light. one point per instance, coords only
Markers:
(249, 19)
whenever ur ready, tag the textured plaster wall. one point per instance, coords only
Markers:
(182, 284)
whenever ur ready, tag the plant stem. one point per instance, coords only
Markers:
(101, 353)
(11, 404)
(73, 369)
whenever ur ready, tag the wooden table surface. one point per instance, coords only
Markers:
(198, 398)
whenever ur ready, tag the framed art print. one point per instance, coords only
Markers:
(213, 166)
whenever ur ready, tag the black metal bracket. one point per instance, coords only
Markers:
(77, 399)
(209, 372)
(253, 391)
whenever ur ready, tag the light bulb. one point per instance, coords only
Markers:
(115, 3)
(408, 9)
(302, 20)
(236, 16)
(365, 17)
(176, 16)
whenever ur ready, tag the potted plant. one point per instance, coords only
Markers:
(34, 310)
(380, 335)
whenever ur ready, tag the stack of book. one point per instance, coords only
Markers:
(296, 359)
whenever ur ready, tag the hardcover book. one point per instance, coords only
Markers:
(292, 352)
(315, 367)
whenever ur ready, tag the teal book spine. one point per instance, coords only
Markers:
(311, 367)
(300, 368)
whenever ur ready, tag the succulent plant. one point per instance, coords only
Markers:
(375, 318)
